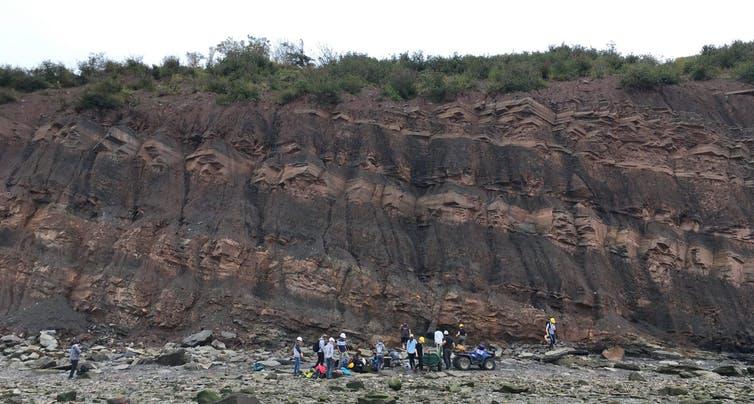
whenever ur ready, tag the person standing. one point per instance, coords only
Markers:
(405, 332)
(461, 335)
(447, 349)
(438, 342)
(379, 353)
(74, 354)
(342, 351)
(328, 353)
(411, 351)
(550, 332)
(321, 351)
(420, 352)
(298, 356)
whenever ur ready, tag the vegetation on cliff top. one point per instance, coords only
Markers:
(251, 68)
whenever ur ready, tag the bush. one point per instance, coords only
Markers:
(106, 94)
(515, 77)
(745, 72)
(699, 70)
(439, 88)
(239, 90)
(402, 82)
(6, 96)
(644, 76)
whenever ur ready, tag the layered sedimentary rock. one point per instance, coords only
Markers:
(621, 214)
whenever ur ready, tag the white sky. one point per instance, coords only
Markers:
(69, 30)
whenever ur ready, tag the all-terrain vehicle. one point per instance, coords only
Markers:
(484, 358)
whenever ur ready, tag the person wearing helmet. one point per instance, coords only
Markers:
(411, 351)
(405, 332)
(420, 352)
(298, 356)
(329, 361)
(550, 332)
(447, 349)
(461, 334)
(342, 350)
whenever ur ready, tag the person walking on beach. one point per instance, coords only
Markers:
(74, 354)
(342, 351)
(298, 356)
(411, 351)
(550, 332)
(328, 353)
(405, 331)
(420, 352)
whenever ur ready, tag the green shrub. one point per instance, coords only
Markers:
(6, 96)
(515, 77)
(239, 90)
(745, 72)
(699, 69)
(103, 95)
(645, 76)
(440, 88)
(402, 82)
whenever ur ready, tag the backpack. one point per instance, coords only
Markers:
(315, 347)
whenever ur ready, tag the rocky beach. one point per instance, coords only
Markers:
(34, 370)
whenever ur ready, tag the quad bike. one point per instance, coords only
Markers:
(465, 360)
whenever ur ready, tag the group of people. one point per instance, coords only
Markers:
(333, 354)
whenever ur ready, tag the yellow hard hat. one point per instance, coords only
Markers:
(552, 320)
(350, 365)
(421, 340)
(460, 325)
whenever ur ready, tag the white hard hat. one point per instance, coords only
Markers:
(446, 332)
(299, 339)
(342, 335)
(332, 339)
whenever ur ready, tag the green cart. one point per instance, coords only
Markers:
(432, 361)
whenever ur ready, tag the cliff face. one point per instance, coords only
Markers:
(621, 214)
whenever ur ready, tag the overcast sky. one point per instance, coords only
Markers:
(69, 30)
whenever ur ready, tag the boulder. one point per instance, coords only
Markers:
(239, 398)
(65, 397)
(636, 377)
(660, 354)
(728, 370)
(47, 341)
(512, 389)
(614, 354)
(98, 357)
(394, 383)
(201, 338)
(207, 397)
(673, 391)
(218, 345)
(355, 385)
(626, 366)
(376, 398)
(228, 335)
(270, 363)
(705, 374)
(10, 340)
(44, 362)
(174, 358)
(118, 400)
(555, 354)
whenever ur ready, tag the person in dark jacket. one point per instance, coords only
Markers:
(74, 355)
(447, 349)
(420, 352)
(405, 332)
